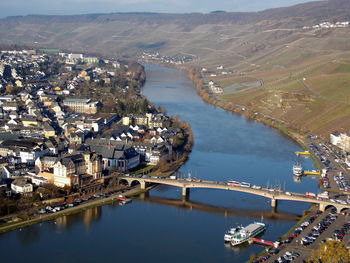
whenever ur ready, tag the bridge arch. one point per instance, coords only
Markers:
(124, 182)
(331, 207)
(345, 210)
(135, 182)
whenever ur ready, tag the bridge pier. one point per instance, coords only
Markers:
(273, 203)
(185, 193)
(142, 185)
(322, 207)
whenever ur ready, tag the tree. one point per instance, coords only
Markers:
(330, 252)
(9, 89)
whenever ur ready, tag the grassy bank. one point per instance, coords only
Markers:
(296, 135)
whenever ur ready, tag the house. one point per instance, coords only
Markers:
(156, 121)
(37, 180)
(51, 146)
(90, 60)
(45, 163)
(75, 57)
(81, 105)
(335, 138)
(156, 156)
(27, 150)
(137, 119)
(126, 120)
(94, 125)
(140, 119)
(24, 95)
(68, 169)
(48, 130)
(13, 115)
(30, 155)
(10, 106)
(93, 163)
(49, 176)
(28, 121)
(6, 172)
(341, 140)
(157, 140)
(118, 156)
(21, 186)
(32, 109)
(77, 137)
(152, 154)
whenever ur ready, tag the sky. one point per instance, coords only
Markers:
(68, 7)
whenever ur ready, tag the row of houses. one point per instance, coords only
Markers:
(47, 137)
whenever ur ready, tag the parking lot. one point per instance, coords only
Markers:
(317, 228)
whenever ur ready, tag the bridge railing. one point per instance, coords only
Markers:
(276, 193)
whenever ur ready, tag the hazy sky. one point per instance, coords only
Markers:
(25, 7)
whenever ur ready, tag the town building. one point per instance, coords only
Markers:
(81, 105)
(341, 140)
(21, 186)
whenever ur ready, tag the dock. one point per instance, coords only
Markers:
(261, 242)
(305, 153)
(312, 173)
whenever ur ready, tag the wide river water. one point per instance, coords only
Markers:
(163, 228)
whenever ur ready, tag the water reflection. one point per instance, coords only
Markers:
(27, 236)
(87, 217)
(236, 212)
(296, 179)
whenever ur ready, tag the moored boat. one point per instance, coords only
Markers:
(245, 233)
(230, 233)
(123, 199)
(297, 169)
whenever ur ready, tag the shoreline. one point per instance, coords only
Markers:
(212, 100)
(202, 92)
(187, 149)
(72, 210)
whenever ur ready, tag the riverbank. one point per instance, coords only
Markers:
(104, 201)
(66, 212)
(166, 169)
(74, 210)
(223, 150)
(296, 135)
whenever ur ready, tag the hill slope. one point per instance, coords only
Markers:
(172, 33)
(304, 72)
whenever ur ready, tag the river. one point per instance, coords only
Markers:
(162, 228)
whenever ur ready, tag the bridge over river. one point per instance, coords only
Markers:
(187, 184)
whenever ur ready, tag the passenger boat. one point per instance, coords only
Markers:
(297, 169)
(245, 233)
(123, 199)
(230, 233)
(233, 183)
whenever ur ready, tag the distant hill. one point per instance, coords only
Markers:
(304, 73)
(130, 33)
